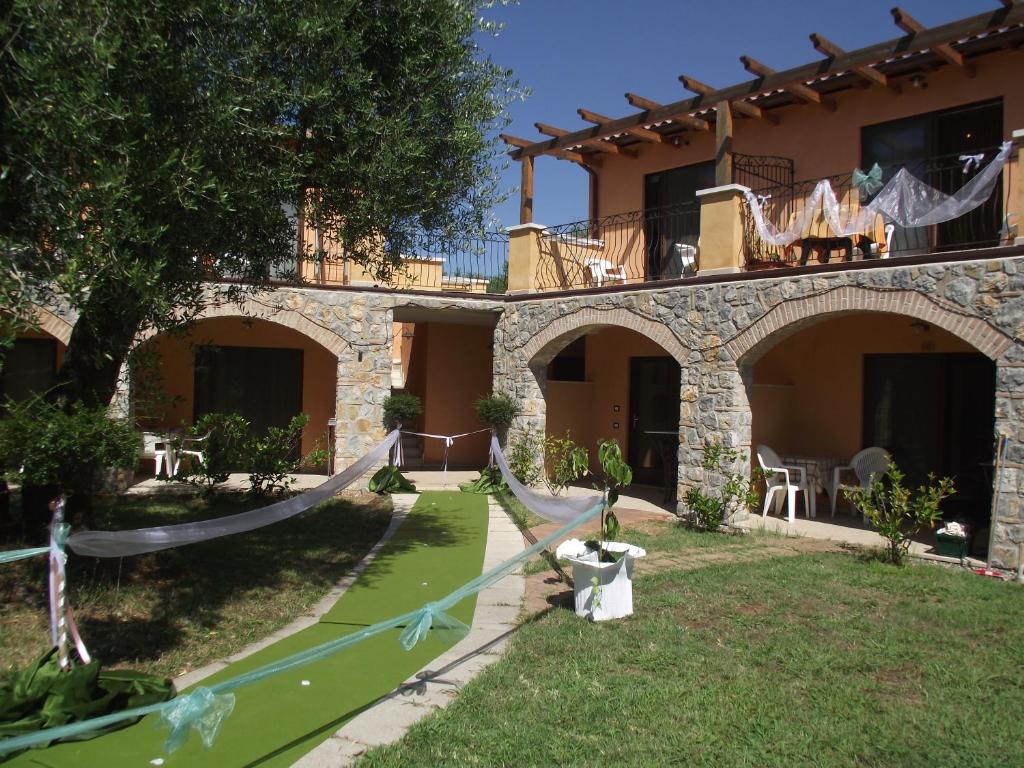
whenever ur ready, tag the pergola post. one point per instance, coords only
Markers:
(1017, 167)
(526, 190)
(723, 144)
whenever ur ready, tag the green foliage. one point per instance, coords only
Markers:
(497, 410)
(617, 474)
(895, 513)
(46, 443)
(489, 482)
(222, 438)
(708, 510)
(150, 146)
(401, 408)
(499, 283)
(271, 459)
(523, 455)
(564, 462)
(389, 479)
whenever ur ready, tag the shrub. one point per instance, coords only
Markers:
(895, 514)
(497, 410)
(522, 458)
(223, 438)
(270, 459)
(564, 462)
(708, 510)
(401, 408)
(389, 479)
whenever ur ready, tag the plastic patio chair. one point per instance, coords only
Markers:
(778, 477)
(154, 446)
(865, 465)
(603, 271)
(190, 446)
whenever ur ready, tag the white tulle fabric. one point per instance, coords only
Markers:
(905, 200)
(555, 508)
(142, 540)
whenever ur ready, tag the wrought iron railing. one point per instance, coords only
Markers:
(985, 226)
(429, 262)
(625, 248)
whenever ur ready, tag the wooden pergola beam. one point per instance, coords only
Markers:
(912, 26)
(737, 107)
(800, 90)
(640, 102)
(562, 154)
(599, 144)
(641, 133)
(684, 118)
(871, 55)
(827, 48)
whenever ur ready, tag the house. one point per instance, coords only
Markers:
(667, 320)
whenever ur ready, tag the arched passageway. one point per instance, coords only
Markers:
(265, 371)
(29, 365)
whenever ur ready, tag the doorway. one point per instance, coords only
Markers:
(654, 419)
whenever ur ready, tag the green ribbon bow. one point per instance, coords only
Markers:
(447, 628)
(203, 710)
(870, 182)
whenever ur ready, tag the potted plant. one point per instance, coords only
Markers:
(498, 410)
(602, 568)
(399, 409)
(952, 540)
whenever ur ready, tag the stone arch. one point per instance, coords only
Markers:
(289, 318)
(791, 316)
(544, 345)
(54, 325)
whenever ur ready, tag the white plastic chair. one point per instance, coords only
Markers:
(687, 258)
(865, 465)
(603, 271)
(154, 447)
(189, 448)
(779, 478)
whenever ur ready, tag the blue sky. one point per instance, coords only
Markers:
(588, 53)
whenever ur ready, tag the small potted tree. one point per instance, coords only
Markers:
(399, 409)
(602, 568)
(497, 410)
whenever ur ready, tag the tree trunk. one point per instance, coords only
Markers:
(99, 345)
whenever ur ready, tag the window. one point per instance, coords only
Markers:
(29, 367)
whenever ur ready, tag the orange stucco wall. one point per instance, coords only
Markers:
(450, 367)
(587, 409)
(319, 369)
(822, 143)
(807, 392)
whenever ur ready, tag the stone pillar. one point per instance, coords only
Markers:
(121, 405)
(1008, 483)
(1016, 167)
(523, 257)
(363, 383)
(721, 230)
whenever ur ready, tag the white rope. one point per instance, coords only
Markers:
(449, 440)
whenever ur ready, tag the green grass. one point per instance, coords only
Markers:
(823, 660)
(172, 611)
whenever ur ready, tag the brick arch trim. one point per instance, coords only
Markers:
(289, 318)
(548, 342)
(790, 316)
(54, 325)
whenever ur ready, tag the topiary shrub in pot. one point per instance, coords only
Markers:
(498, 410)
(402, 408)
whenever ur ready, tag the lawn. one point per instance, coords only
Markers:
(172, 611)
(821, 659)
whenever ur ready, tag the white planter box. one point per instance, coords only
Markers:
(612, 595)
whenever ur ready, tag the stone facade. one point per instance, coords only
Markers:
(716, 332)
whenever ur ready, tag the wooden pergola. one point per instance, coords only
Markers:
(919, 50)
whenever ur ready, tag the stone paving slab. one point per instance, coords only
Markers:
(434, 686)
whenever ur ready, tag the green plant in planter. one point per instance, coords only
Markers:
(895, 513)
(401, 408)
(497, 410)
(617, 474)
(709, 510)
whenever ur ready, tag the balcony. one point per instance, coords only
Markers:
(717, 234)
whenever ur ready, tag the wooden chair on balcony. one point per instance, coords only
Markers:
(603, 271)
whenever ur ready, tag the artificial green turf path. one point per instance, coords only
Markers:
(438, 548)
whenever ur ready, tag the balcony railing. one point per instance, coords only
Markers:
(985, 226)
(432, 263)
(626, 248)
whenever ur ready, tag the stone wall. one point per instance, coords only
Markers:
(716, 331)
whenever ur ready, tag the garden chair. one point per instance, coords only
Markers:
(190, 446)
(154, 447)
(603, 271)
(779, 478)
(865, 465)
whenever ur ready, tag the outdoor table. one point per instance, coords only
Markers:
(818, 470)
(667, 443)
